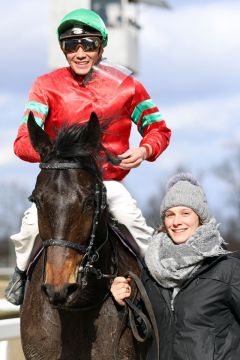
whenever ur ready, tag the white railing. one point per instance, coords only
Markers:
(6, 271)
(7, 308)
(10, 346)
(9, 328)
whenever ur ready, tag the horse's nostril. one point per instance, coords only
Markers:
(50, 293)
(71, 288)
(46, 289)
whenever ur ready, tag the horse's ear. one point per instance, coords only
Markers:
(93, 131)
(38, 137)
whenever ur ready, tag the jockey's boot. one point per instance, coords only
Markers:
(14, 292)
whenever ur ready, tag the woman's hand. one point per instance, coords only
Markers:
(121, 289)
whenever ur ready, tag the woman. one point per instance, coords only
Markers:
(192, 281)
(70, 94)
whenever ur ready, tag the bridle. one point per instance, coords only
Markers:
(90, 252)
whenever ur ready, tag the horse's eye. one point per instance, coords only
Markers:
(88, 204)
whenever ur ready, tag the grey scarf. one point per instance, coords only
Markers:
(170, 264)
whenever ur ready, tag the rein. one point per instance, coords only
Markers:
(132, 312)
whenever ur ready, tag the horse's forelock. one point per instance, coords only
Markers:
(70, 144)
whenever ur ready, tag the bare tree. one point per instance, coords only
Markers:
(13, 202)
(152, 211)
(229, 173)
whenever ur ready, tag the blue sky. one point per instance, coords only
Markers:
(191, 68)
(189, 63)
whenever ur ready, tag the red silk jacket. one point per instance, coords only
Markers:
(61, 97)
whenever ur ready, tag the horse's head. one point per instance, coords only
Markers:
(70, 199)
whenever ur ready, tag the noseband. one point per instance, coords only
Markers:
(89, 251)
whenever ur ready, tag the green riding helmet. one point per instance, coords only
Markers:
(86, 19)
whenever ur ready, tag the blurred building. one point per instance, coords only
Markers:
(122, 20)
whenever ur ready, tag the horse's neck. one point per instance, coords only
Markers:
(126, 260)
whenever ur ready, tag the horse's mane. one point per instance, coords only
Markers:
(73, 144)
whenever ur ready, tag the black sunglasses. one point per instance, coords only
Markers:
(71, 45)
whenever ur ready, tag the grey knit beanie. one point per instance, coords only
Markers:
(184, 190)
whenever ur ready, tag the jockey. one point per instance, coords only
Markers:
(70, 94)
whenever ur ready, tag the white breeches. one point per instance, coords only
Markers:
(122, 206)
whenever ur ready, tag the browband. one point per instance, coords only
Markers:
(62, 166)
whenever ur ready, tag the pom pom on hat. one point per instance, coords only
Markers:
(183, 189)
(181, 177)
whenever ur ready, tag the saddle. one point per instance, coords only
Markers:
(125, 237)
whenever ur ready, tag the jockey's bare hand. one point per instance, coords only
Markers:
(132, 158)
(121, 289)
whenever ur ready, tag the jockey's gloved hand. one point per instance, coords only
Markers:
(14, 292)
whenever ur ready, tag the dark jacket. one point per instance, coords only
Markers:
(203, 322)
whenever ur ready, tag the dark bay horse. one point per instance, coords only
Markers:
(68, 312)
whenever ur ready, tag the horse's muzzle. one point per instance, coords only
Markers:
(62, 296)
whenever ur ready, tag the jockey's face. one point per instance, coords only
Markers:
(82, 61)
